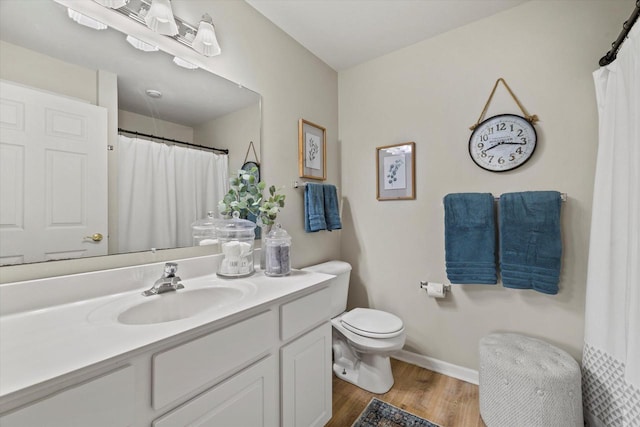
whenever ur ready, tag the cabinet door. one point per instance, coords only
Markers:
(306, 379)
(246, 399)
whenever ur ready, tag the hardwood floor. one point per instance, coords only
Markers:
(440, 399)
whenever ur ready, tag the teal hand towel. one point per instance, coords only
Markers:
(314, 219)
(331, 208)
(470, 238)
(530, 240)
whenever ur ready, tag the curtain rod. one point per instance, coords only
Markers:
(203, 147)
(615, 46)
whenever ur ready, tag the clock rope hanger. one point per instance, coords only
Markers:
(505, 141)
(248, 165)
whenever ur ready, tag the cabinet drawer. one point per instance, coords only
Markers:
(190, 366)
(301, 314)
(106, 401)
(246, 399)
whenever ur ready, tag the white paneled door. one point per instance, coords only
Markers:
(53, 176)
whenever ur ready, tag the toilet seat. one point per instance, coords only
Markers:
(372, 323)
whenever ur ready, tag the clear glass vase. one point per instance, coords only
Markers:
(265, 229)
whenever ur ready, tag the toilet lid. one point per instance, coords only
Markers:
(372, 323)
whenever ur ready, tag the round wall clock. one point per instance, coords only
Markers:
(502, 142)
(250, 165)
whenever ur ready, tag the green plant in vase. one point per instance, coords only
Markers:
(245, 197)
(270, 207)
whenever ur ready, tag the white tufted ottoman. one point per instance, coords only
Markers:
(526, 382)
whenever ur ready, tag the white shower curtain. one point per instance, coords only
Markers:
(162, 189)
(611, 360)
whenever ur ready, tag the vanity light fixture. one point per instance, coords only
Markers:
(205, 41)
(113, 4)
(184, 64)
(160, 18)
(85, 20)
(140, 45)
(150, 13)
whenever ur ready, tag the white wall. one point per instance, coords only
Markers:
(431, 93)
(236, 130)
(293, 83)
(25, 66)
(153, 126)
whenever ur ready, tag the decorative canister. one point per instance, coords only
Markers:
(236, 237)
(204, 231)
(277, 252)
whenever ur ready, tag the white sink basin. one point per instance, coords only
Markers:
(180, 304)
(197, 297)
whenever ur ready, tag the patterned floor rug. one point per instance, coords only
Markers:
(381, 414)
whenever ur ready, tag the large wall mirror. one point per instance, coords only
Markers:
(83, 87)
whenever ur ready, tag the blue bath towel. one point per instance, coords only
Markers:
(470, 238)
(331, 208)
(314, 208)
(530, 240)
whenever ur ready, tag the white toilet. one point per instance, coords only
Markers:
(363, 338)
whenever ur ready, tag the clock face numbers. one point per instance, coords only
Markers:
(502, 142)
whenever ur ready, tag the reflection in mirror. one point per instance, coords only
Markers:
(66, 90)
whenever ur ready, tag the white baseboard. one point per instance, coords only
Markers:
(439, 366)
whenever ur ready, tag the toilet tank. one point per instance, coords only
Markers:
(339, 285)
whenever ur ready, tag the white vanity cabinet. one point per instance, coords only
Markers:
(268, 365)
(306, 361)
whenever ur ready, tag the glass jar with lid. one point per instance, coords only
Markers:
(204, 231)
(277, 252)
(236, 237)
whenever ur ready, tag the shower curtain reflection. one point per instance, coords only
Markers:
(162, 190)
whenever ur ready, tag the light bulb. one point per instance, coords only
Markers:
(113, 4)
(140, 45)
(184, 64)
(85, 20)
(206, 42)
(160, 18)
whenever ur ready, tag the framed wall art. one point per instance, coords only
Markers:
(396, 172)
(312, 150)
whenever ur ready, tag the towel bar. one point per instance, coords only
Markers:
(303, 184)
(563, 197)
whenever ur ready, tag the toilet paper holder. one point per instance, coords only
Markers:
(446, 288)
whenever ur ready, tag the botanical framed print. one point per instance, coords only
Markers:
(396, 172)
(312, 150)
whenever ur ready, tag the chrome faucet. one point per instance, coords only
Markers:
(167, 283)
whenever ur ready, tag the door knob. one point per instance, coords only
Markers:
(96, 237)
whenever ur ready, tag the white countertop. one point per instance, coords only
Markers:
(41, 344)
